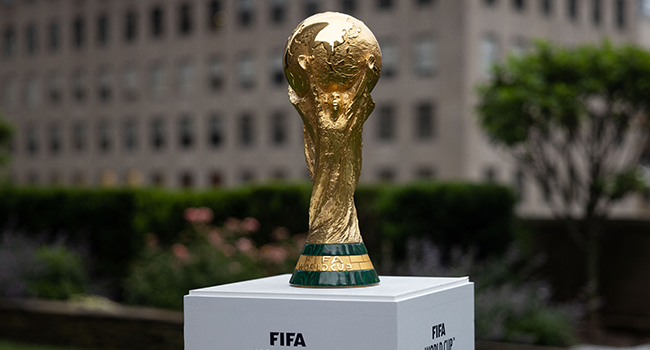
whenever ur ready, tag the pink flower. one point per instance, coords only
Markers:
(151, 240)
(200, 215)
(251, 224)
(280, 233)
(181, 252)
(244, 245)
(228, 250)
(215, 238)
(274, 253)
(231, 224)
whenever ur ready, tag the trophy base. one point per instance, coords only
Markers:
(334, 265)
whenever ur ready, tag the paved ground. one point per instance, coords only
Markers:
(603, 347)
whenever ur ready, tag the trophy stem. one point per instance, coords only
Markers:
(334, 265)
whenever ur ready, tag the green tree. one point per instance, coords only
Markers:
(576, 121)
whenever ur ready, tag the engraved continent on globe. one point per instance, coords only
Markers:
(338, 47)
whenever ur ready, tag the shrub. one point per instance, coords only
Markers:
(453, 214)
(510, 304)
(114, 222)
(32, 267)
(206, 255)
(60, 275)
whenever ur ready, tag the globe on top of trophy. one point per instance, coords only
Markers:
(332, 61)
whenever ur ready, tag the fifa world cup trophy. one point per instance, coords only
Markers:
(332, 61)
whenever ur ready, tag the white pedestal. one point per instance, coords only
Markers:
(415, 313)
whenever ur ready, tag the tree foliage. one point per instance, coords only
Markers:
(576, 120)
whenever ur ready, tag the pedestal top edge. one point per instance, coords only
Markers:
(390, 289)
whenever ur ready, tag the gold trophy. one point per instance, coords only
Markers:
(332, 61)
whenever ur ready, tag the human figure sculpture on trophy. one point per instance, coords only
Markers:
(332, 62)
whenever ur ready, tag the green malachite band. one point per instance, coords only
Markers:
(335, 249)
(334, 278)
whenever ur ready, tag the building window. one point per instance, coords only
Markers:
(389, 59)
(158, 133)
(157, 23)
(386, 175)
(245, 12)
(386, 123)
(130, 135)
(79, 179)
(187, 180)
(348, 6)
(32, 178)
(185, 73)
(9, 42)
(130, 82)
(216, 74)
(246, 71)
(157, 80)
(572, 9)
(424, 56)
(247, 176)
(104, 86)
(32, 93)
(519, 46)
(134, 178)
(55, 87)
(246, 130)
(490, 174)
(311, 7)
(384, 4)
(519, 5)
(130, 26)
(215, 130)
(79, 87)
(31, 39)
(424, 121)
(104, 136)
(278, 11)
(158, 179)
(31, 136)
(56, 179)
(279, 175)
(78, 32)
(54, 36)
(519, 184)
(277, 71)
(279, 129)
(620, 14)
(185, 19)
(102, 29)
(78, 136)
(424, 173)
(186, 132)
(10, 94)
(547, 7)
(216, 17)
(489, 54)
(490, 2)
(55, 138)
(424, 2)
(216, 179)
(644, 8)
(597, 11)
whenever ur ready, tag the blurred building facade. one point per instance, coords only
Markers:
(191, 93)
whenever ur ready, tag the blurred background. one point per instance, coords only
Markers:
(152, 149)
